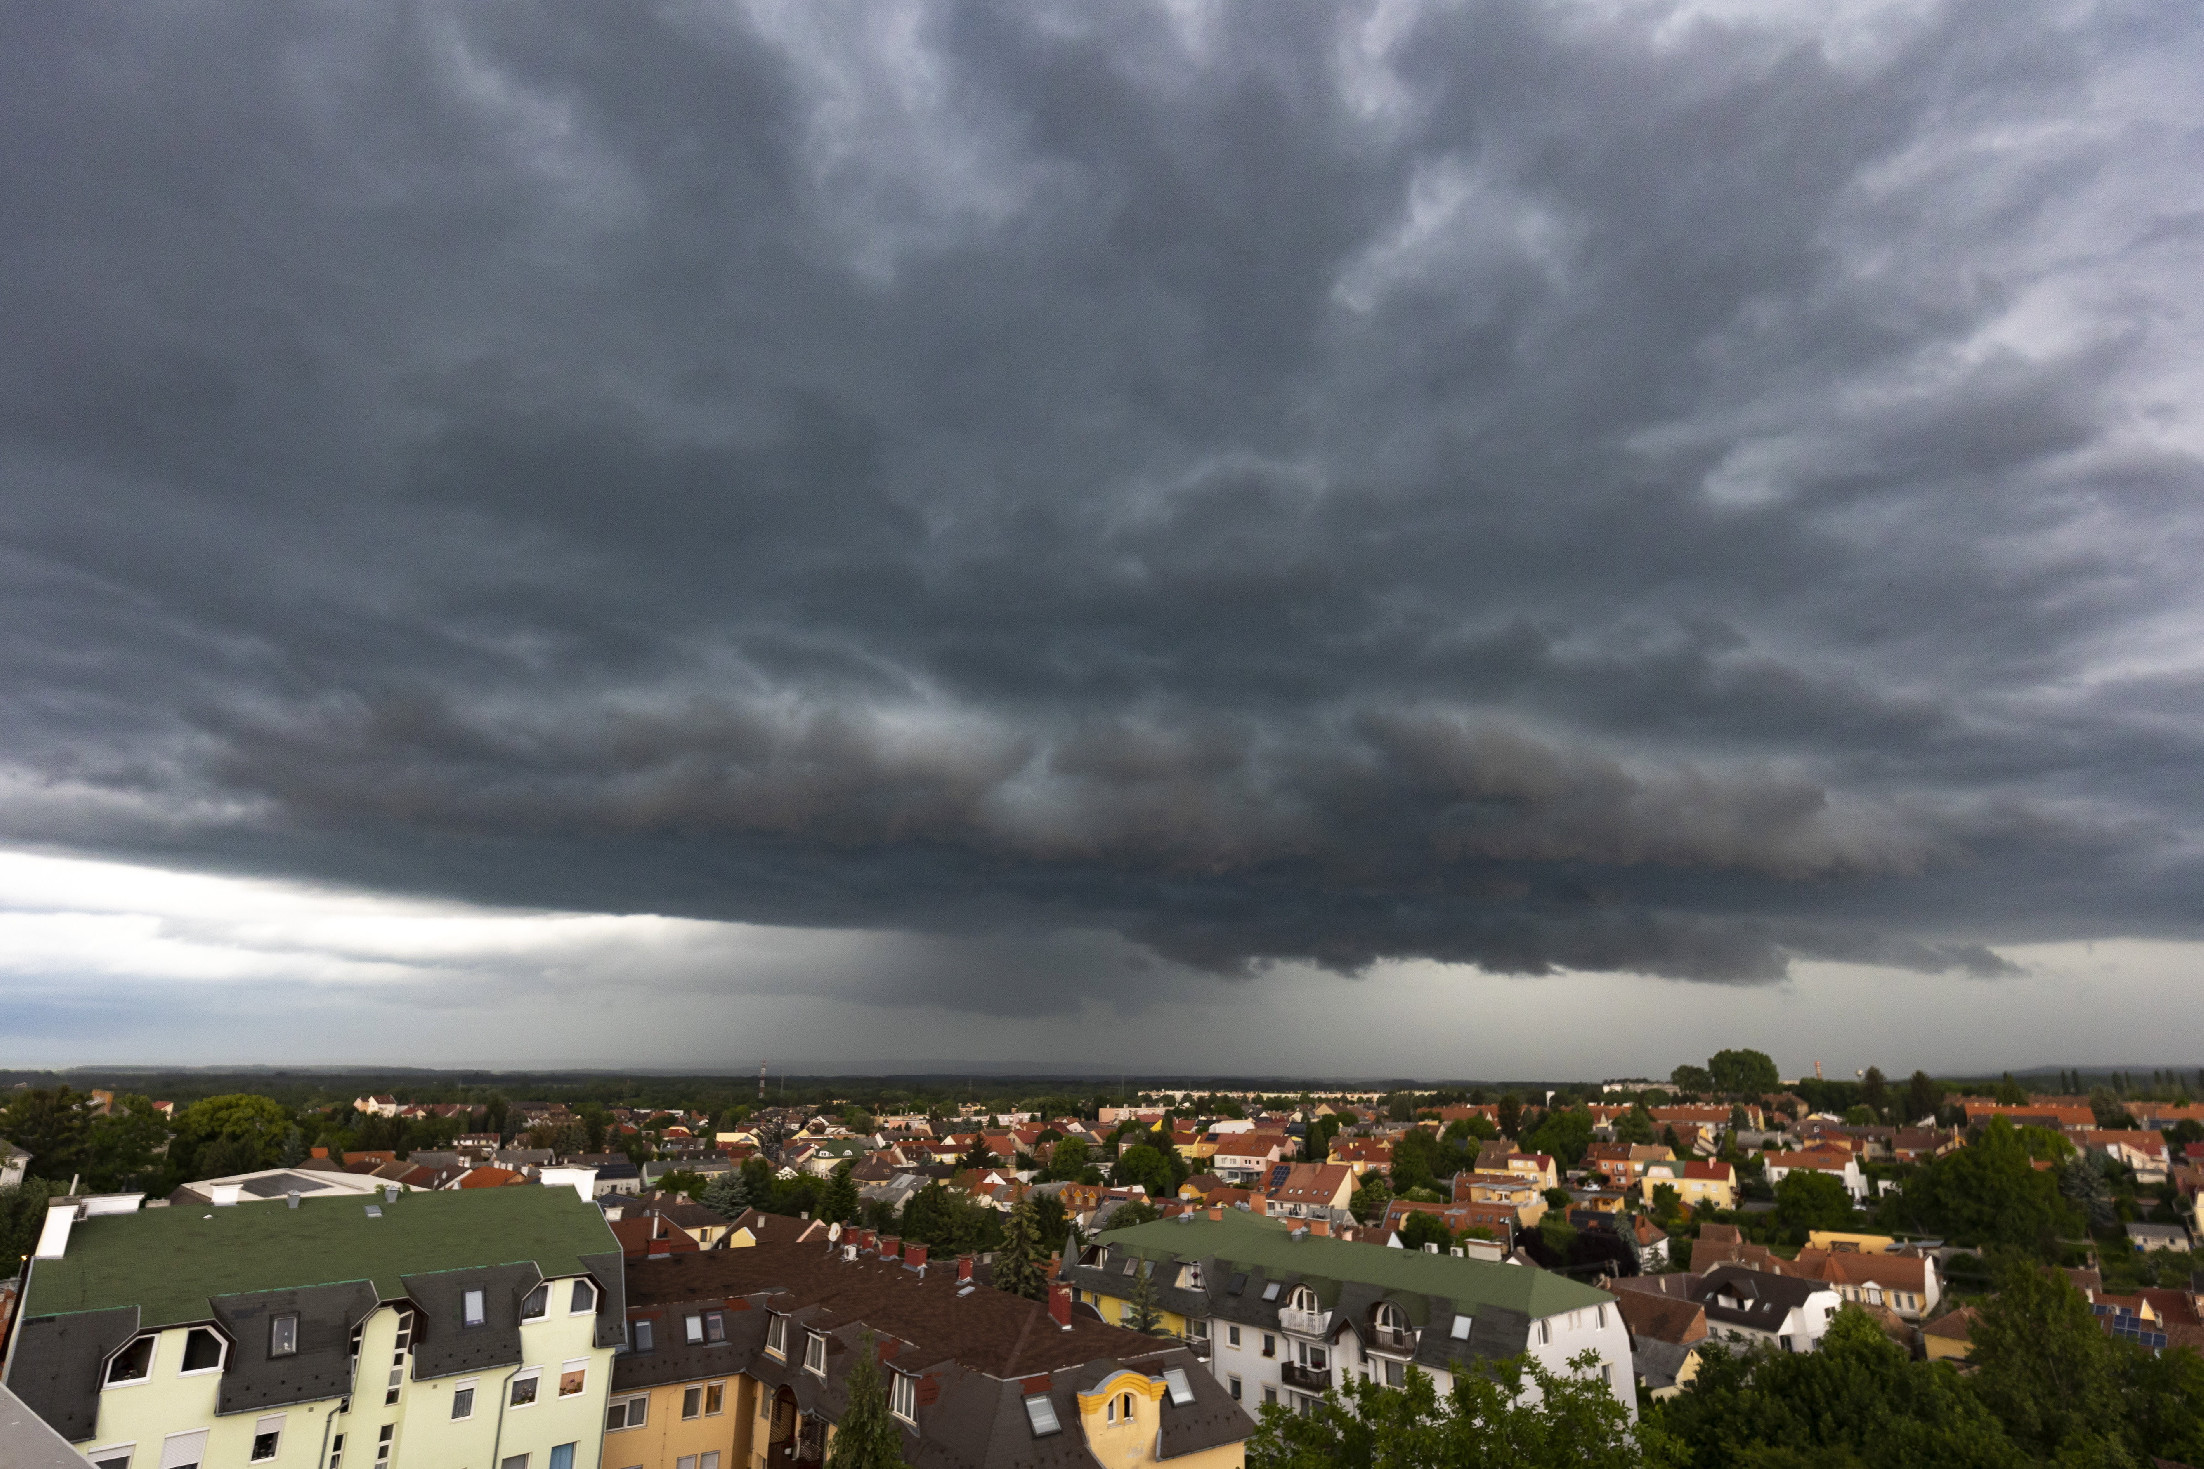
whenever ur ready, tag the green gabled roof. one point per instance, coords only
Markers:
(1246, 1239)
(170, 1262)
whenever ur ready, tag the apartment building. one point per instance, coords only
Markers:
(1281, 1313)
(462, 1330)
(740, 1359)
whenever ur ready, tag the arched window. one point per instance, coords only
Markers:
(1303, 1299)
(1125, 1407)
(1392, 1318)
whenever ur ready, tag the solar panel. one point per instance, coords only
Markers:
(1041, 1413)
(1182, 1391)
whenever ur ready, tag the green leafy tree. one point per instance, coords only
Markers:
(122, 1151)
(1923, 1097)
(977, 1156)
(1368, 1203)
(1421, 1228)
(1511, 1113)
(2042, 1364)
(682, 1181)
(1989, 1192)
(1146, 1166)
(236, 1133)
(1635, 1126)
(1696, 1080)
(1750, 1073)
(866, 1437)
(1875, 1089)
(1807, 1201)
(1130, 1213)
(1068, 1159)
(2109, 1110)
(22, 1218)
(1518, 1414)
(1415, 1160)
(294, 1150)
(50, 1124)
(725, 1194)
(2008, 1091)
(1021, 1262)
(1564, 1133)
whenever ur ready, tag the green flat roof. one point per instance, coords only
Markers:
(1246, 1239)
(169, 1262)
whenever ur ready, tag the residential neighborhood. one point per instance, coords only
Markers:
(607, 1284)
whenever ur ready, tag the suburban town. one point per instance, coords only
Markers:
(1685, 1271)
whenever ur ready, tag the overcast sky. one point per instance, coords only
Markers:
(1462, 540)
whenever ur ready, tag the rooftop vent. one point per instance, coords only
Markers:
(291, 1199)
(374, 1211)
(390, 1193)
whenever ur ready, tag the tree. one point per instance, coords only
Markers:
(2109, 1111)
(2042, 1364)
(838, 1205)
(1130, 1213)
(1635, 1126)
(294, 1151)
(1565, 1133)
(2008, 1091)
(1875, 1090)
(1068, 1159)
(22, 1219)
(1020, 1262)
(122, 1151)
(977, 1156)
(52, 1126)
(1923, 1097)
(1368, 1203)
(1518, 1414)
(1422, 1228)
(1988, 1192)
(725, 1194)
(1696, 1080)
(1747, 1073)
(682, 1181)
(1142, 1312)
(2082, 1184)
(1415, 1158)
(866, 1437)
(1147, 1167)
(1511, 1113)
(1806, 1200)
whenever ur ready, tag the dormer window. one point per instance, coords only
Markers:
(584, 1299)
(134, 1363)
(815, 1354)
(903, 1396)
(538, 1302)
(203, 1348)
(1303, 1299)
(776, 1336)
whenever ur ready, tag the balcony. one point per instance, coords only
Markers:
(1308, 1379)
(1314, 1324)
(1392, 1342)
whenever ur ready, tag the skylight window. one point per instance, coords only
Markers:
(1271, 1289)
(1461, 1328)
(1182, 1391)
(1041, 1413)
(1237, 1284)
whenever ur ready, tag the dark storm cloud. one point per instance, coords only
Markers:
(1570, 487)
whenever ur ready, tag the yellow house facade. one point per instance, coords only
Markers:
(445, 1330)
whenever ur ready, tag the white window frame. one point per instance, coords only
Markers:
(152, 1360)
(276, 1348)
(526, 1374)
(903, 1396)
(572, 1367)
(102, 1458)
(776, 1336)
(715, 1392)
(221, 1353)
(642, 1335)
(193, 1438)
(692, 1329)
(471, 1386)
(472, 1313)
(815, 1346)
(628, 1417)
(543, 1307)
(262, 1429)
(574, 1307)
(692, 1402)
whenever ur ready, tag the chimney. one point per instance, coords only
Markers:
(890, 1247)
(224, 1194)
(964, 1268)
(1059, 1305)
(1321, 1228)
(1259, 1205)
(318, 1153)
(1216, 1211)
(914, 1255)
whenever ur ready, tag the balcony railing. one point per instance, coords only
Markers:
(1387, 1339)
(1305, 1323)
(1308, 1379)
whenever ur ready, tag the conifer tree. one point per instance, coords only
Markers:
(1018, 1262)
(866, 1437)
